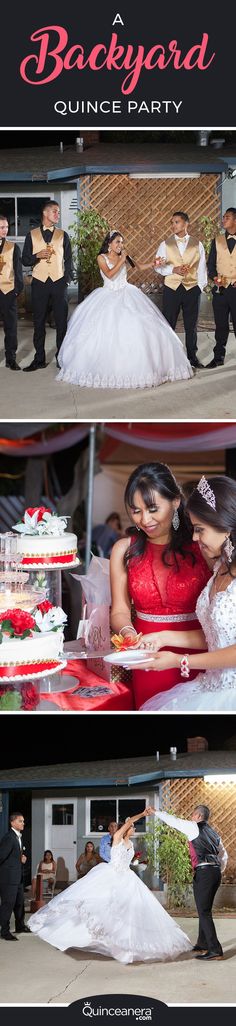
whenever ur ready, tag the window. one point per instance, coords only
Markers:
(101, 811)
(62, 815)
(22, 212)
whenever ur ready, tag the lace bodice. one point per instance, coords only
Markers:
(119, 280)
(121, 856)
(156, 588)
(218, 616)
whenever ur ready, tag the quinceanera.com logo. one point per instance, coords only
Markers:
(139, 1014)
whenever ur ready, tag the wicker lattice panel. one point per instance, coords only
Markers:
(141, 208)
(181, 796)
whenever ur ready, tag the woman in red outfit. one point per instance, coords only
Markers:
(159, 570)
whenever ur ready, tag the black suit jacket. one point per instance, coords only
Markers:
(11, 868)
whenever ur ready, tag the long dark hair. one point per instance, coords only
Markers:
(86, 847)
(223, 517)
(149, 478)
(108, 239)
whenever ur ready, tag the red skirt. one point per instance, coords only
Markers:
(146, 684)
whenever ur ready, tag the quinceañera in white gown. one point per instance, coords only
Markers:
(117, 338)
(112, 912)
(212, 690)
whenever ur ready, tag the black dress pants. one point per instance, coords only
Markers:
(187, 300)
(224, 304)
(56, 291)
(206, 882)
(8, 311)
(12, 900)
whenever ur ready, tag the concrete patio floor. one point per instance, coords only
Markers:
(38, 396)
(35, 973)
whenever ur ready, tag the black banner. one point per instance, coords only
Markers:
(115, 65)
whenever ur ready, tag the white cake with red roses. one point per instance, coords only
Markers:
(44, 542)
(31, 644)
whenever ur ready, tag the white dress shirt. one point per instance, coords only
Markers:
(190, 828)
(182, 243)
(18, 834)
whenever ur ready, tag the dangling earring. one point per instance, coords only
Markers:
(175, 520)
(228, 549)
(138, 528)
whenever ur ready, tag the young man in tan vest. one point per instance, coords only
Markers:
(47, 250)
(222, 269)
(181, 260)
(11, 284)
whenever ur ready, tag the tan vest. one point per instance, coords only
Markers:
(53, 269)
(191, 256)
(225, 261)
(7, 278)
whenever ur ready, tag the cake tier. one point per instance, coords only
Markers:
(37, 552)
(31, 656)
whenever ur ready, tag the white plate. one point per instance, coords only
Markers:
(129, 657)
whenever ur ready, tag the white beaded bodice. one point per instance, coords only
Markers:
(121, 856)
(217, 617)
(120, 279)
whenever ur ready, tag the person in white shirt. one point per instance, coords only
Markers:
(209, 858)
(180, 258)
(12, 860)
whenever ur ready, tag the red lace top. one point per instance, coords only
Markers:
(156, 588)
(161, 591)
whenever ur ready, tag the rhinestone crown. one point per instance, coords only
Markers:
(206, 491)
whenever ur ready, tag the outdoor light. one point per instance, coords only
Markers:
(157, 756)
(231, 172)
(221, 778)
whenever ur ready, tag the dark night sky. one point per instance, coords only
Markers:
(35, 740)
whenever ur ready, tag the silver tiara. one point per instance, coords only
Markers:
(114, 232)
(206, 491)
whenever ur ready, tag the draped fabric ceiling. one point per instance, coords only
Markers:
(38, 440)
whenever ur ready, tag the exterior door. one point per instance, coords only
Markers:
(61, 835)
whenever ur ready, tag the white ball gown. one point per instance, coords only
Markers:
(212, 690)
(117, 338)
(112, 912)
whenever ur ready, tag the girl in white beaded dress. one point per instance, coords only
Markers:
(117, 338)
(111, 911)
(212, 511)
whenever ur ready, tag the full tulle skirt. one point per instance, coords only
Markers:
(213, 691)
(114, 914)
(119, 339)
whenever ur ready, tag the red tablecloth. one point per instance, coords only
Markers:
(116, 696)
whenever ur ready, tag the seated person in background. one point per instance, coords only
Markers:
(87, 860)
(105, 535)
(46, 868)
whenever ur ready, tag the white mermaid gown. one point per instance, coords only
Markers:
(117, 338)
(112, 912)
(212, 690)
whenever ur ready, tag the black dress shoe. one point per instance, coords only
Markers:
(23, 929)
(8, 936)
(214, 363)
(196, 365)
(13, 365)
(35, 365)
(210, 956)
(202, 950)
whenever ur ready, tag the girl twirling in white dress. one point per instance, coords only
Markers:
(112, 912)
(212, 510)
(117, 338)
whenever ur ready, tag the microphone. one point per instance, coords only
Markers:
(129, 260)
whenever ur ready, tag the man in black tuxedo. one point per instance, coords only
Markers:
(12, 861)
(222, 271)
(47, 249)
